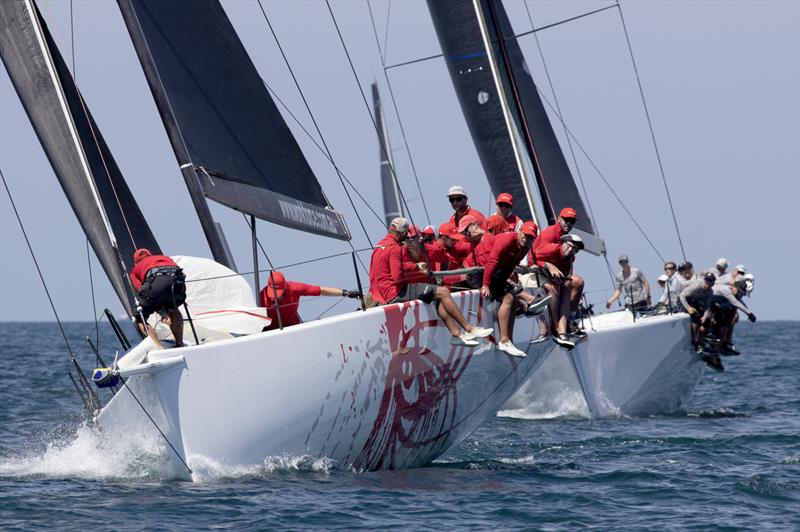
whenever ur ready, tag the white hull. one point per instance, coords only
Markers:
(343, 388)
(624, 367)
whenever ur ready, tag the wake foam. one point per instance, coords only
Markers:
(552, 401)
(205, 469)
(86, 453)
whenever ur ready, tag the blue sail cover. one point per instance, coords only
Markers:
(216, 107)
(73, 143)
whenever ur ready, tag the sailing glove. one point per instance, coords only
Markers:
(752, 317)
(352, 294)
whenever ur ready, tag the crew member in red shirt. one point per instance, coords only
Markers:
(496, 224)
(552, 235)
(161, 288)
(387, 275)
(458, 200)
(507, 252)
(557, 259)
(281, 298)
(504, 203)
(455, 246)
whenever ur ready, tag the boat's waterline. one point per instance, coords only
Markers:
(381, 389)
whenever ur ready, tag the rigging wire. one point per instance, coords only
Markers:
(88, 251)
(385, 32)
(560, 115)
(652, 132)
(320, 148)
(36, 263)
(316, 126)
(603, 178)
(399, 120)
(366, 104)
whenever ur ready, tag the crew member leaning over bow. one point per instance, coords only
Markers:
(161, 288)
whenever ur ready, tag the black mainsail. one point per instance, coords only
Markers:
(480, 62)
(228, 136)
(80, 158)
(392, 206)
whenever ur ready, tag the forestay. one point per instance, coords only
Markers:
(82, 162)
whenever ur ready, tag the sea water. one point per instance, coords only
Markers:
(731, 460)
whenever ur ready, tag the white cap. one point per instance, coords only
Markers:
(663, 277)
(456, 190)
(400, 224)
(740, 267)
(722, 263)
(749, 277)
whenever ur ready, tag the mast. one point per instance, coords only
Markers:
(506, 114)
(81, 160)
(392, 206)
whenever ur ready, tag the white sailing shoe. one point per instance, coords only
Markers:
(478, 332)
(511, 349)
(463, 340)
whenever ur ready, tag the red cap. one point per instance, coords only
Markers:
(465, 222)
(568, 212)
(280, 284)
(529, 228)
(449, 230)
(139, 254)
(428, 231)
(505, 197)
(496, 224)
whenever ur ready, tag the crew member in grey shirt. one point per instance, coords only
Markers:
(672, 290)
(735, 274)
(725, 301)
(632, 285)
(719, 268)
(696, 299)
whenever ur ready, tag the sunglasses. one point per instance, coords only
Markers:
(623, 262)
(569, 220)
(457, 199)
(669, 268)
(504, 205)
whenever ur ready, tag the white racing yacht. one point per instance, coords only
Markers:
(370, 389)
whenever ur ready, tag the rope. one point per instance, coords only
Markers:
(561, 119)
(399, 121)
(316, 126)
(367, 106)
(321, 149)
(603, 178)
(36, 263)
(652, 132)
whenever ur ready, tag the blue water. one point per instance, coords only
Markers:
(732, 460)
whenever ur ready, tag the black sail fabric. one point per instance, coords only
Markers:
(391, 196)
(559, 189)
(459, 34)
(73, 143)
(216, 107)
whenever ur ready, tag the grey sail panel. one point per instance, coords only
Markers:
(392, 207)
(459, 34)
(557, 186)
(73, 144)
(220, 117)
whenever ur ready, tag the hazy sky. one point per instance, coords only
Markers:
(722, 81)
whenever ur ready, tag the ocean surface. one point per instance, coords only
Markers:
(730, 461)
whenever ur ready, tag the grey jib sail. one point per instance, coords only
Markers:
(458, 28)
(220, 117)
(73, 143)
(392, 207)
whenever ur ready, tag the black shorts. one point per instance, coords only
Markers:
(722, 309)
(422, 291)
(162, 292)
(499, 287)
